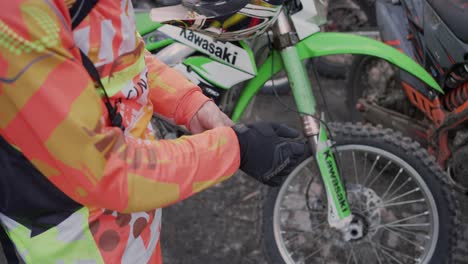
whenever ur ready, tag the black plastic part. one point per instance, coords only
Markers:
(454, 14)
(393, 24)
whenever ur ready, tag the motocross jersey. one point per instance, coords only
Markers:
(92, 192)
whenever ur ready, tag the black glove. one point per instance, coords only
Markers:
(269, 151)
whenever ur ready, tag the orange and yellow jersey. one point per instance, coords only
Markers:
(51, 111)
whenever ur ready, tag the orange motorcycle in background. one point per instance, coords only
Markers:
(433, 33)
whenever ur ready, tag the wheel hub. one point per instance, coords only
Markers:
(366, 210)
(358, 228)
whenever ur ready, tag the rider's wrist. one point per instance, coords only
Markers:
(240, 130)
(189, 106)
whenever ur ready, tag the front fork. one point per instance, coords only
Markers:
(339, 212)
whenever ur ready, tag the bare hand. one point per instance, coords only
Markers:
(209, 116)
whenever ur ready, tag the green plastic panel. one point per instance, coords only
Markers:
(323, 44)
(144, 24)
(196, 63)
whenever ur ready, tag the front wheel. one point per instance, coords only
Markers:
(398, 196)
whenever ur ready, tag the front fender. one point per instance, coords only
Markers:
(324, 44)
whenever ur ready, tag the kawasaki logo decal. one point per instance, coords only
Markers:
(335, 181)
(240, 58)
(210, 47)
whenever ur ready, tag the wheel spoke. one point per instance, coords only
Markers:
(352, 254)
(349, 258)
(319, 225)
(394, 251)
(403, 203)
(408, 218)
(380, 173)
(371, 169)
(404, 238)
(313, 253)
(393, 182)
(391, 257)
(401, 186)
(298, 248)
(396, 204)
(355, 168)
(377, 247)
(403, 195)
(407, 225)
(365, 163)
(291, 239)
(375, 251)
(297, 231)
(414, 233)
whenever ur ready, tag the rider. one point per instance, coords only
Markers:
(82, 177)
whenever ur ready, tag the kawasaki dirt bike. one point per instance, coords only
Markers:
(434, 33)
(367, 195)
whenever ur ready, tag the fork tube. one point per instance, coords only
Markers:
(339, 215)
(285, 41)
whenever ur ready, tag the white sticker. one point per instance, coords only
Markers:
(225, 52)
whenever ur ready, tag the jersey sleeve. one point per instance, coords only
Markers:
(51, 111)
(171, 93)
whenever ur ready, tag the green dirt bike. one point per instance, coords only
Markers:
(367, 195)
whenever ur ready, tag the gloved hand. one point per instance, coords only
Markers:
(269, 151)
